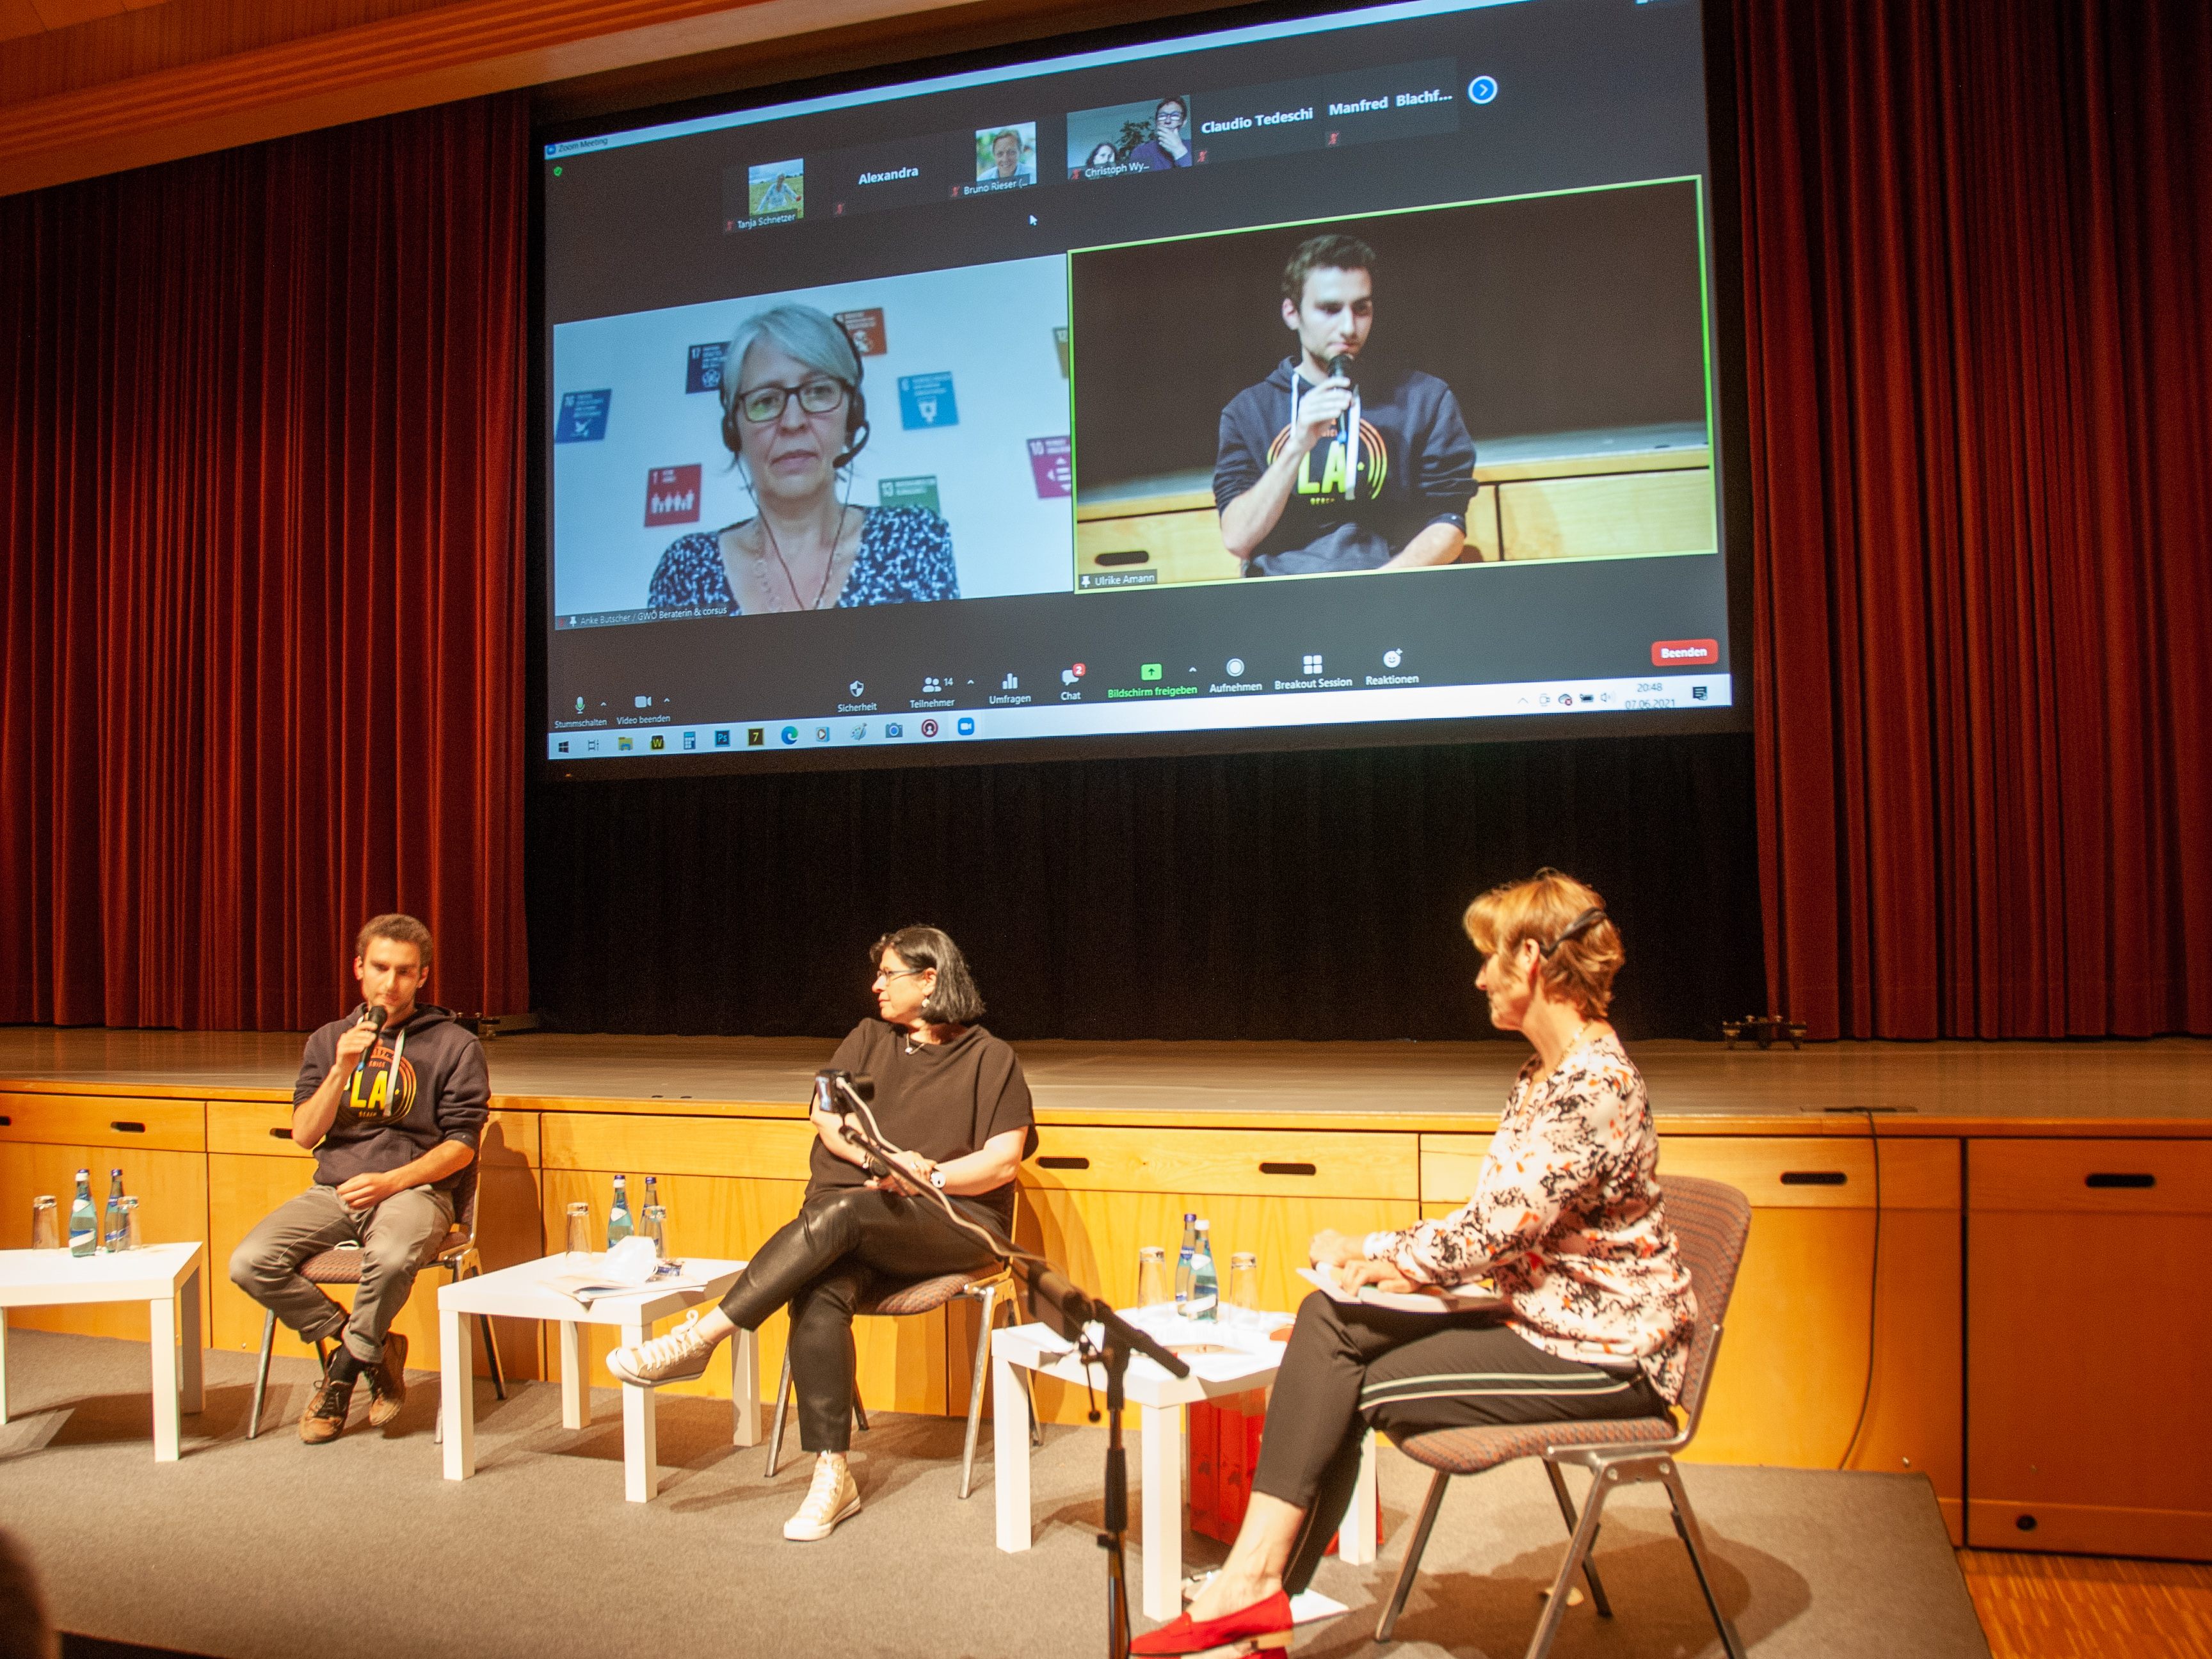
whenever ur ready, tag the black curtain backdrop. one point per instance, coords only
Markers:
(1308, 895)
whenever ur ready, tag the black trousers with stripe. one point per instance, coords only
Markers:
(1348, 1368)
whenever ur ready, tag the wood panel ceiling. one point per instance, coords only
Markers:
(129, 82)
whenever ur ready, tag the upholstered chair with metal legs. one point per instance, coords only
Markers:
(990, 1288)
(1712, 1222)
(341, 1265)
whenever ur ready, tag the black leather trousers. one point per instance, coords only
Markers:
(840, 1246)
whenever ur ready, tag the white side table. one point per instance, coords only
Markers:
(521, 1293)
(1159, 1400)
(164, 1277)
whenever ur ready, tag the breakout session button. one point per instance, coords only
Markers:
(1684, 653)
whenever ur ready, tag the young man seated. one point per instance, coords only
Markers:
(391, 1100)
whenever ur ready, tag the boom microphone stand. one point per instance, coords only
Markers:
(1061, 1307)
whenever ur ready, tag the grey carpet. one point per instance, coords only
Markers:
(359, 1548)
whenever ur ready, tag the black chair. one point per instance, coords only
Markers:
(1711, 1221)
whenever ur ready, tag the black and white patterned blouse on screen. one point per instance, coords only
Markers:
(905, 556)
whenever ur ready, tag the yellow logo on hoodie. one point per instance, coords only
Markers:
(379, 1093)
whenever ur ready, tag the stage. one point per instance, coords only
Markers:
(1914, 1209)
(268, 1549)
(2157, 1087)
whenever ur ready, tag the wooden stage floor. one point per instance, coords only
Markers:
(1917, 1086)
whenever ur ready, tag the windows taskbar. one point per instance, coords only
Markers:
(1124, 711)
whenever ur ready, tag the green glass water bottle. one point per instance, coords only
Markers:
(85, 1221)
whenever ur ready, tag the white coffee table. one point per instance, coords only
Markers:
(520, 1292)
(164, 1277)
(1159, 1400)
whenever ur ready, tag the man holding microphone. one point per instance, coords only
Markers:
(1337, 461)
(391, 1100)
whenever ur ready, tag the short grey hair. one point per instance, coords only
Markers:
(815, 338)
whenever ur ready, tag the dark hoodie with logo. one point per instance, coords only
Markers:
(421, 1083)
(1360, 496)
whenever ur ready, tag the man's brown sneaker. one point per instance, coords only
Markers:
(387, 1382)
(325, 1417)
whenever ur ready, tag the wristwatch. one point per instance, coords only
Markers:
(937, 1179)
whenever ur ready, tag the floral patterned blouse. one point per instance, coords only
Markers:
(1565, 1221)
(906, 555)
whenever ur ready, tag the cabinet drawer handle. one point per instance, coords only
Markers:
(5, 1121)
(1814, 1178)
(1288, 1168)
(124, 1126)
(280, 1134)
(1063, 1163)
(2120, 1178)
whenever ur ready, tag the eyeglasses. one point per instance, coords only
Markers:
(764, 404)
(888, 974)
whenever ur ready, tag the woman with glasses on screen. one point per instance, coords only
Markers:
(794, 419)
(1564, 1223)
(953, 1096)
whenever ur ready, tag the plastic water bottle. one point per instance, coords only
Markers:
(1183, 1258)
(1205, 1288)
(619, 1225)
(84, 1223)
(111, 1235)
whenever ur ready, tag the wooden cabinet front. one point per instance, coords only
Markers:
(728, 1183)
(1093, 1197)
(171, 1188)
(2087, 1327)
(1816, 1324)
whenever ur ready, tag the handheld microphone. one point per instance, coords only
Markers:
(1347, 427)
(373, 1018)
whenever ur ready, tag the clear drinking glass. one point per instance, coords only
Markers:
(656, 1229)
(1244, 1281)
(1152, 1285)
(580, 1229)
(46, 1223)
(128, 1234)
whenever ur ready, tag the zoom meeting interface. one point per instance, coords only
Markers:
(1353, 369)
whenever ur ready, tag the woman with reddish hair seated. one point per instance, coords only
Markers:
(1565, 1222)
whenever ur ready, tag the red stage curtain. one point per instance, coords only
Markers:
(1979, 253)
(261, 588)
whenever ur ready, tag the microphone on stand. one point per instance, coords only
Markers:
(834, 1092)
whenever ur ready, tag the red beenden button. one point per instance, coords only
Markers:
(1684, 653)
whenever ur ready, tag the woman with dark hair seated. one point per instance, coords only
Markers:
(1565, 1221)
(952, 1095)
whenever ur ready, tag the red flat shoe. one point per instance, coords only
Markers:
(1264, 1623)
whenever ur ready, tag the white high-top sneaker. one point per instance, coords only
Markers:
(831, 1498)
(675, 1358)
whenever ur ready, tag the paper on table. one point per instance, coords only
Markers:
(630, 1267)
(1442, 1300)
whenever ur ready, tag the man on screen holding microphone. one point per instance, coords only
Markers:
(391, 1100)
(1334, 462)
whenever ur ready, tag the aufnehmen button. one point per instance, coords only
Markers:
(1684, 653)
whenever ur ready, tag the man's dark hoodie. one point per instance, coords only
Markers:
(1412, 457)
(421, 1083)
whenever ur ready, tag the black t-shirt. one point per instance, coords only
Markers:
(942, 1100)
